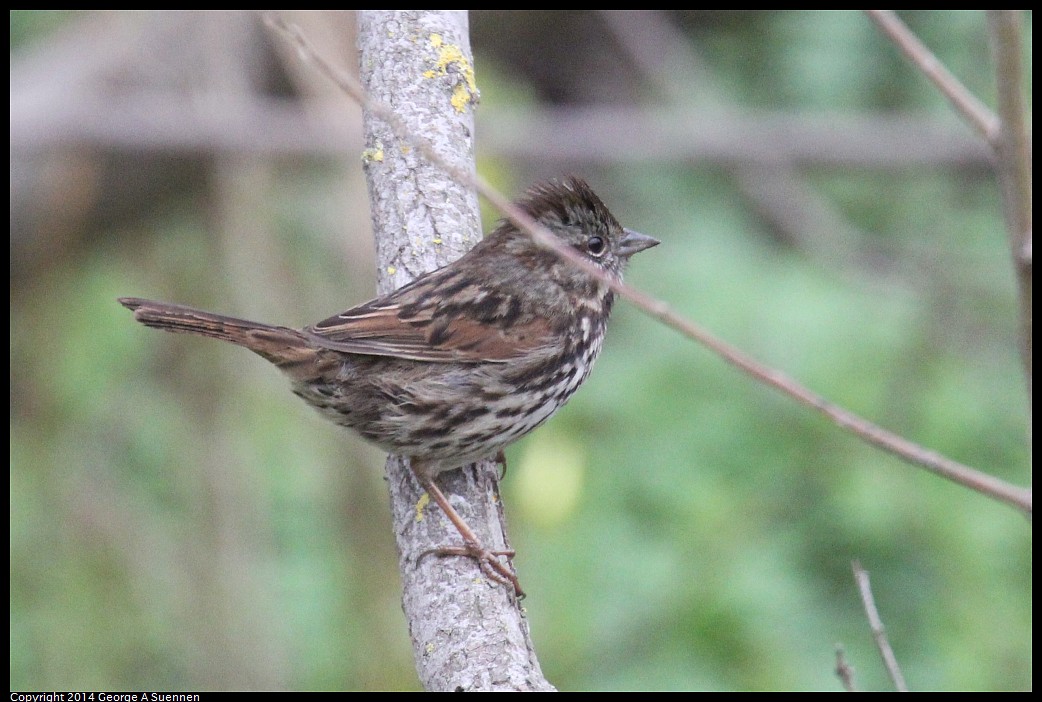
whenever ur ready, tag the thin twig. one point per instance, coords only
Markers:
(1013, 163)
(991, 486)
(844, 670)
(1006, 133)
(976, 113)
(878, 630)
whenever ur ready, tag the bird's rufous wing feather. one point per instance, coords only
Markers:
(432, 332)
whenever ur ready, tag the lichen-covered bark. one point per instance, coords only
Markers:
(468, 632)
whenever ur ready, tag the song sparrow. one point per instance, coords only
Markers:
(452, 367)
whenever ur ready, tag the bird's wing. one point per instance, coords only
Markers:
(438, 319)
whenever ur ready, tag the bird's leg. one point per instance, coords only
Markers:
(501, 461)
(488, 560)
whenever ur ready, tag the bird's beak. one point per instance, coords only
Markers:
(632, 242)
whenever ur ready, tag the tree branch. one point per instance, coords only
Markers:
(844, 671)
(976, 113)
(1007, 134)
(1013, 149)
(468, 633)
(878, 630)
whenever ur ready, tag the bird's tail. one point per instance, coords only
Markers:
(282, 346)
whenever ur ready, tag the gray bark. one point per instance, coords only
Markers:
(468, 632)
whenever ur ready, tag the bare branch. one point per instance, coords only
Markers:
(976, 113)
(878, 630)
(844, 670)
(1006, 133)
(1013, 148)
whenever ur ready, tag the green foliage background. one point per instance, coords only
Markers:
(180, 521)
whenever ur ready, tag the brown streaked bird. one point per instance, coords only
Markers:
(461, 362)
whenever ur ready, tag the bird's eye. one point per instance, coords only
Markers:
(596, 245)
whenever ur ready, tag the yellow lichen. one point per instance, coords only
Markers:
(374, 154)
(466, 91)
(460, 97)
(420, 504)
